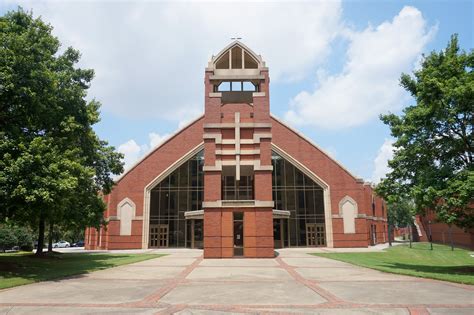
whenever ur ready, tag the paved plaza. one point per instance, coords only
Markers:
(294, 282)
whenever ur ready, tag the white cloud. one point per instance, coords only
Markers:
(368, 84)
(384, 154)
(156, 139)
(133, 151)
(149, 57)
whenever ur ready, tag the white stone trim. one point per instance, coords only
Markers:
(234, 152)
(258, 167)
(322, 183)
(132, 205)
(232, 125)
(258, 136)
(238, 204)
(255, 125)
(229, 163)
(156, 181)
(342, 202)
(281, 214)
(215, 94)
(213, 168)
(236, 74)
(216, 136)
(348, 198)
(361, 216)
(195, 214)
(258, 94)
(219, 125)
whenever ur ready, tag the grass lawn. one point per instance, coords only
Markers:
(440, 263)
(23, 268)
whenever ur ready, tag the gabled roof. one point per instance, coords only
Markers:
(254, 55)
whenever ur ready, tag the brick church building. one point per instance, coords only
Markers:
(239, 182)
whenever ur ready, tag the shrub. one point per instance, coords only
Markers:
(25, 238)
(8, 238)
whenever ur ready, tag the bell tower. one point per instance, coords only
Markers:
(237, 156)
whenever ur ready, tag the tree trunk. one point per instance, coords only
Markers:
(451, 236)
(389, 232)
(410, 233)
(50, 238)
(39, 249)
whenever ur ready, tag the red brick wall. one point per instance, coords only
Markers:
(441, 232)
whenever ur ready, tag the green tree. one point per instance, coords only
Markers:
(433, 160)
(24, 237)
(8, 238)
(53, 166)
(400, 212)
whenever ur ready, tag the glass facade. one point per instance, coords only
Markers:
(181, 191)
(237, 190)
(296, 192)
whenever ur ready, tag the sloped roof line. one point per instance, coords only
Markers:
(298, 133)
(236, 42)
(158, 147)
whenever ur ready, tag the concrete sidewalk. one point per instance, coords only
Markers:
(294, 282)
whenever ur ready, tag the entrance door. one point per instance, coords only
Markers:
(238, 233)
(315, 234)
(196, 233)
(320, 235)
(158, 235)
(279, 233)
(373, 230)
(163, 237)
(311, 234)
(154, 234)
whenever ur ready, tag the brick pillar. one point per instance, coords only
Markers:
(212, 233)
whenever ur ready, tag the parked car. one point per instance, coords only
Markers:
(78, 244)
(61, 244)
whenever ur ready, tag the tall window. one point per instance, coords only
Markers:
(181, 191)
(296, 192)
(237, 190)
(373, 206)
(233, 189)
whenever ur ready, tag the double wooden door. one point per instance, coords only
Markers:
(315, 234)
(159, 235)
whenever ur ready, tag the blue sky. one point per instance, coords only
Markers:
(334, 66)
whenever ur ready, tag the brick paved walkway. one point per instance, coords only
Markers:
(294, 282)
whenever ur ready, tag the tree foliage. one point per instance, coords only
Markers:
(8, 238)
(433, 158)
(53, 166)
(400, 213)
